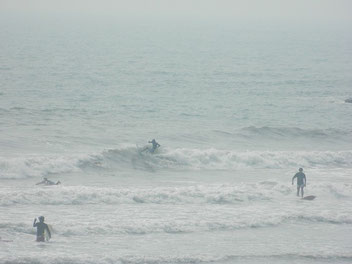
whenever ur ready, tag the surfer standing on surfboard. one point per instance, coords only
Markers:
(155, 145)
(301, 181)
(41, 228)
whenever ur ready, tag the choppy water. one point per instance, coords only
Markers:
(237, 112)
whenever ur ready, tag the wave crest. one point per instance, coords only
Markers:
(36, 166)
(199, 194)
(214, 159)
(174, 159)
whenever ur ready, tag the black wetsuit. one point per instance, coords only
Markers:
(41, 226)
(155, 145)
(301, 182)
(300, 176)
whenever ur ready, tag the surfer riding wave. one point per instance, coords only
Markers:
(155, 146)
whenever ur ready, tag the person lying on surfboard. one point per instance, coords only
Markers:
(155, 145)
(301, 181)
(45, 181)
(41, 228)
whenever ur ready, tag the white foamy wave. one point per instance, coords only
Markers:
(215, 159)
(243, 219)
(199, 221)
(78, 195)
(174, 159)
(199, 194)
(173, 259)
(36, 166)
(222, 159)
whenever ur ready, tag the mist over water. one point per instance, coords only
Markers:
(237, 109)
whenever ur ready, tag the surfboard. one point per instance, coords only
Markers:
(147, 149)
(142, 149)
(309, 197)
(46, 234)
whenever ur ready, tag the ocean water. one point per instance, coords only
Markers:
(237, 110)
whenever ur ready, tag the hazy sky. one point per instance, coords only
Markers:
(334, 11)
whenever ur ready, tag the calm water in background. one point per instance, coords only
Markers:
(237, 111)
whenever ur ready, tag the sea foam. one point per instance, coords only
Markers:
(172, 159)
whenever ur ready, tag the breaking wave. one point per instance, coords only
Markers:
(215, 159)
(198, 194)
(177, 223)
(186, 259)
(36, 166)
(178, 158)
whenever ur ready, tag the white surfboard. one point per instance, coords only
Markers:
(46, 233)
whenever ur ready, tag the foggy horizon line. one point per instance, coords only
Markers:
(299, 11)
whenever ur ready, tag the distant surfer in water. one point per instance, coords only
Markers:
(41, 228)
(155, 145)
(45, 181)
(301, 181)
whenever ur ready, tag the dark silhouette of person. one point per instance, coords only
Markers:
(41, 227)
(155, 145)
(45, 181)
(301, 181)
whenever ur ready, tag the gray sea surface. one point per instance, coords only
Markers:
(237, 110)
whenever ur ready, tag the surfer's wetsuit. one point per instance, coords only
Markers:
(155, 145)
(301, 181)
(41, 227)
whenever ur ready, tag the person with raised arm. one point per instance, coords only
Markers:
(301, 181)
(41, 228)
